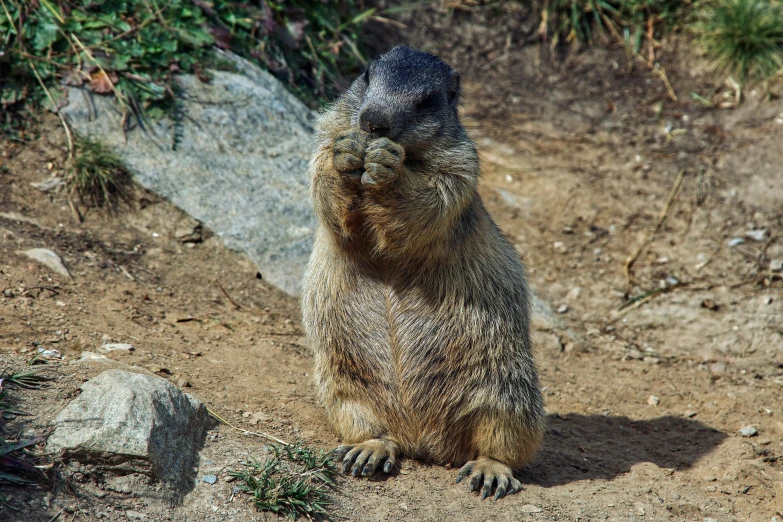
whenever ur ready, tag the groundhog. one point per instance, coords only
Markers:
(415, 304)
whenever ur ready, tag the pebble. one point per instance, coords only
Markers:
(530, 508)
(49, 354)
(689, 414)
(209, 479)
(757, 235)
(49, 185)
(748, 431)
(111, 347)
(718, 368)
(736, 241)
(573, 294)
(776, 265)
(653, 400)
(135, 515)
(562, 309)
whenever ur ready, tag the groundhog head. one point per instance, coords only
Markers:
(409, 97)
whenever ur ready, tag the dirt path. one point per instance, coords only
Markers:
(644, 404)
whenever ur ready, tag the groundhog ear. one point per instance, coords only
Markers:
(454, 88)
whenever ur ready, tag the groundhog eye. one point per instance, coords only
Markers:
(428, 102)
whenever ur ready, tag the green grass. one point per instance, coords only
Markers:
(132, 49)
(293, 482)
(743, 38)
(98, 178)
(584, 20)
(17, 461)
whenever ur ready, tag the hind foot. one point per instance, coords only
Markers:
(491, 473)
(365, 458)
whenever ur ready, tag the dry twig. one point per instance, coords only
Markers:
(633, 257)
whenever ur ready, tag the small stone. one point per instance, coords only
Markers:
(776, 265)
(689, 414)
(113, 347)
(49, 354)
(530, 508)
(757, 235)
(49, 185)
(736, 241)
(652, 360)
(718, 368)
(209, 479)
(573, 294)
(47, 258)
(560, 247)
(562, 309)
(748, 431)
(653, 400)
(135, 515)
(259, 417)
(8, 293)
(709, 304)
(90, 356)
(183, 383)
(577, 346)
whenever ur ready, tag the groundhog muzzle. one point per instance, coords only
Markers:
(415, 304)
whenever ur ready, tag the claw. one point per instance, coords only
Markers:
(388, 466)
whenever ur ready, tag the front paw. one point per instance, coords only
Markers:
(349, 147)
(382, 161)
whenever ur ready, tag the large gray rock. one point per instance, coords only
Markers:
(133, 423)
(235, 159)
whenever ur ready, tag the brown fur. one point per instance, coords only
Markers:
(415, 303)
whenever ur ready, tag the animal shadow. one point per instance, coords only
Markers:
(578, 447)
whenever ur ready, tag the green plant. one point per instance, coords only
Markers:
(580, 20)
(131, 49)
(292, 482)
(98, 177)
(743, 38)
(17, 462)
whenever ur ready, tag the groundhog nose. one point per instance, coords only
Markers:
(374, 122)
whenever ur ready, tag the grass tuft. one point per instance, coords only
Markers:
(743, 38)
(584, 20)
(293, 482)
(19, 466)
(98, 177)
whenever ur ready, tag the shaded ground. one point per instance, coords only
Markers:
(579, 161)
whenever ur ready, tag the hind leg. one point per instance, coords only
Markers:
(502, 443)
(366, 457)
(367, 449)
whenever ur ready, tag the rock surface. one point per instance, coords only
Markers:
(134, 423)
(235, 159)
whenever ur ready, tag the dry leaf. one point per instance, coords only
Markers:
(103, 83)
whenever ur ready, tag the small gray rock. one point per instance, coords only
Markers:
(113, 347)
(735, 241)
(757, 235)
(209, 479)
(49, 185)
(47, 258)
(748, 431)
(776, 265)
(136, 422)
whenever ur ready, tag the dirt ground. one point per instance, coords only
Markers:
(580, 160)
